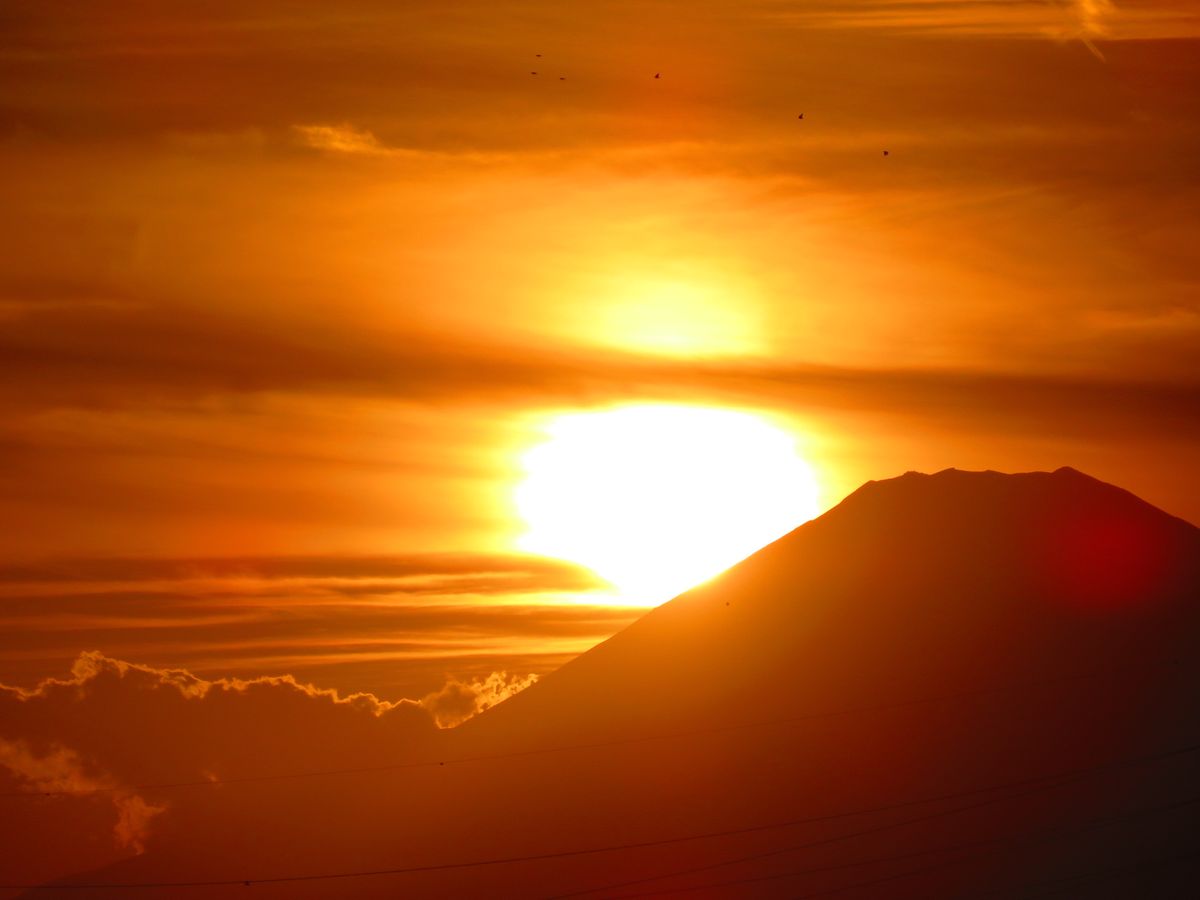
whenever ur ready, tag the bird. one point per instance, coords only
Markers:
(885, 153)
(801, 116)
(538, 55)
(562, 77)
(658, 74)
(533, 73)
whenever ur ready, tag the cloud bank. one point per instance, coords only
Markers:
(113, 733)
(459, 700)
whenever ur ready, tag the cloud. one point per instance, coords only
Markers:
(1058, 19)
(458, 700)
(1094, 15)
(60, 770)
(124, 738)
(430, 572)
(113, 724)
(341, 139)
(389, 625)
(118, 757)
(179, 725)
(121, 360)
(137, 722)
(1091, 21)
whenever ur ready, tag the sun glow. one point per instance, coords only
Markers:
(678, 317)
(658, 498)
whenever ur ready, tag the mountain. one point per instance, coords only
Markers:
(931, 634)
(952, 685)
(907, 582)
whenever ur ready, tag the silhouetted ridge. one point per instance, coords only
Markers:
(930, 630)
(1051, 528)
(997, 491)
(929, 577)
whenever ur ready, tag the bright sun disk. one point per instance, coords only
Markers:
(658, 498)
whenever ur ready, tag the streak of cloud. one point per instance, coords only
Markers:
(341, 139)
(60, 770)
(1093, 18)
(434, 571)
(1083, 20)
(385, 623)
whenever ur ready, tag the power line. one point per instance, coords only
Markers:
(1068, 832)
(1107, 672)
(1085, 876)
(539, 857)
(708, 867)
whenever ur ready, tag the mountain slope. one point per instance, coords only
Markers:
(931, 634)
(950, 685)
(920, 577)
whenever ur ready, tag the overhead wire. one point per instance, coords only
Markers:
(1055, 781)
(539, 857)
(1090, 875)
(1057, 833)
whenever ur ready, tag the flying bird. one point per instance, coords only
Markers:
(801, 116)
(533, 73)
(885, 153)
(658, 74)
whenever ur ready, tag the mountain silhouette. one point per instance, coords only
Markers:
(906, 583)
(952, 685)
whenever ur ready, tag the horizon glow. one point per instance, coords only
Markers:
(658, 498)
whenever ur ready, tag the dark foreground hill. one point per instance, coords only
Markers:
(951, 685)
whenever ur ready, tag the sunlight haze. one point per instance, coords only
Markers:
(659, 498)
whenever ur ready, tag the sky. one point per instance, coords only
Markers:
(291, 290)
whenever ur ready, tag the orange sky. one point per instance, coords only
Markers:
(298, 280)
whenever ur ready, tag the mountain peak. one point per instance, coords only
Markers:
(997, 491)
(973, 566)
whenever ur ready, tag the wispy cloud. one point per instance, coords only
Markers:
(60, 770)
(428, 572)
(1084, 20)
(404, 625)
(341, 139)
(1092, 18)
(458, 700)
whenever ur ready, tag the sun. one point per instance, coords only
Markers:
(658, 498)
